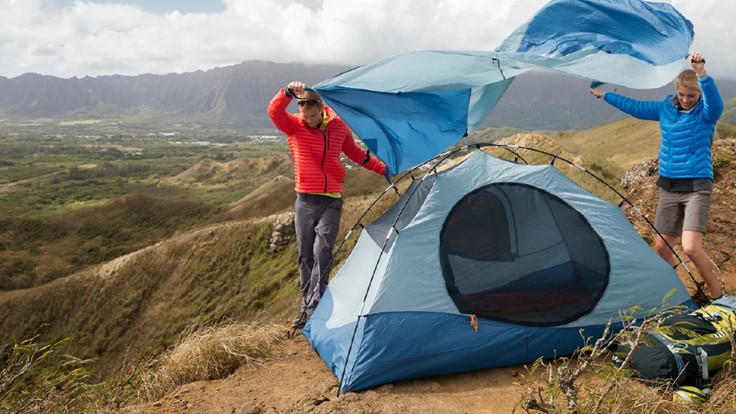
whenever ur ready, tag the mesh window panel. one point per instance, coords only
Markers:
(516, 253)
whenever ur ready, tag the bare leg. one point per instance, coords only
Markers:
(692, 245)
(663, 250)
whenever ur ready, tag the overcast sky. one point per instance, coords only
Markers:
(68, 38)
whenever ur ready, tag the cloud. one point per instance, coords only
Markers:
(714, 35)
(88, 38)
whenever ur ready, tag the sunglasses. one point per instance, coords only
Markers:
(309, 102)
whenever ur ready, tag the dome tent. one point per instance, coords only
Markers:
(487, 264)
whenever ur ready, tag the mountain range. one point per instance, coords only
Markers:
(235, 97)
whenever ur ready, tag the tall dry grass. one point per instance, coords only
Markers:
(723, 397)
(210, 353)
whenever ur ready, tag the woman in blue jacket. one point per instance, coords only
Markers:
(687, 122)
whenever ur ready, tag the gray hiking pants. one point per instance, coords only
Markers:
(317, 221)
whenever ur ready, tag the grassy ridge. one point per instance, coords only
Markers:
(36, 251)
(50, 175)
(146, 299)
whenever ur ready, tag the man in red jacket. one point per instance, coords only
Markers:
(316, 137)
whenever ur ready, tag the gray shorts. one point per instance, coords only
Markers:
(682, 211)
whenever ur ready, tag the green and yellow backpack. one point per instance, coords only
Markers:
(688, 349)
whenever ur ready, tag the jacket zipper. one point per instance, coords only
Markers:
(670, 145)
(324, 156)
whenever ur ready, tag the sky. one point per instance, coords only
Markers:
(67, 38)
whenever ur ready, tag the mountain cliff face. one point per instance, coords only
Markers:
(237, 97)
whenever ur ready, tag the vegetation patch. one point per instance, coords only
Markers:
(210, 353)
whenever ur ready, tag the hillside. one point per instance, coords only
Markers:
(223, 266)
(34, 251)
(37, 250)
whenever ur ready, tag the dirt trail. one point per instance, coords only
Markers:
(297, 381)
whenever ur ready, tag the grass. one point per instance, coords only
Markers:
(8, 295)
(41, 378)
(585, 382)
(39, 250)
(604, 144)
(146, 299)
(210, 353)
(38, 377)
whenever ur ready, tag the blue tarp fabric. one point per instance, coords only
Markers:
(410, 107)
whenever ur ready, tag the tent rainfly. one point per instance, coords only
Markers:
(410, 107)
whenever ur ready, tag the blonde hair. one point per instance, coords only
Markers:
(688, 79)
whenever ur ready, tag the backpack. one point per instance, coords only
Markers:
(688, 349)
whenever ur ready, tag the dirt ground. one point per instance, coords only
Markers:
(297, 381)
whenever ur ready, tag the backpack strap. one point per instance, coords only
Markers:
(701, 357)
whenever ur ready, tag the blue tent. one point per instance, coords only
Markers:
(521, 249)
(410, 107)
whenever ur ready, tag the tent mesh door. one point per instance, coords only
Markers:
(516, 253)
